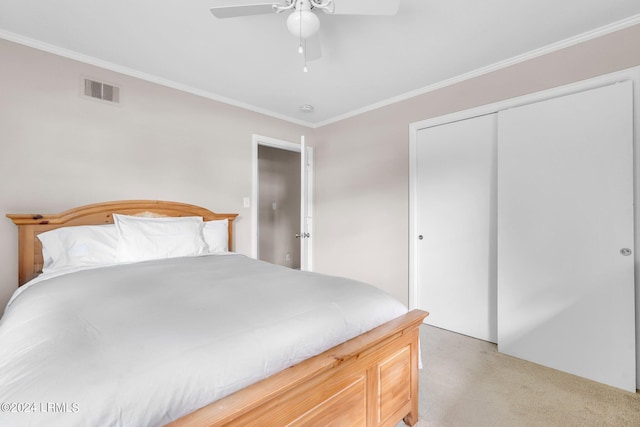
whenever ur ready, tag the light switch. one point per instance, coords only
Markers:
(247, 202)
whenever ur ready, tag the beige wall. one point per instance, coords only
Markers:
(361, 193)
(60, 150)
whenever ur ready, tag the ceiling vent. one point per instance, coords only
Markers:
(102, 91)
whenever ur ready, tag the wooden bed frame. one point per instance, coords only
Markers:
(370, 380)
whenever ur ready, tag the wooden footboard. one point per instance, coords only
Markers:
(371, 380)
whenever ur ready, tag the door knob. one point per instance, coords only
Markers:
(625, 251)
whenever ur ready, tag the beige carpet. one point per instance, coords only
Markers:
(466, 382)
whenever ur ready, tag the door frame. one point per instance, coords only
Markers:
(632, 74)
(256, 141)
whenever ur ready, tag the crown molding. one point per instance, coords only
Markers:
(76, 56)
(571, 41)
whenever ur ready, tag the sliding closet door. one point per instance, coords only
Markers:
(565, 234)
(455, 190)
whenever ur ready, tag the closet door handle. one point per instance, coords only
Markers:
(625, 251)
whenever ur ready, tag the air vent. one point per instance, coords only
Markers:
(103, 91)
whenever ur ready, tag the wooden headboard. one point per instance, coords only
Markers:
(30, 225)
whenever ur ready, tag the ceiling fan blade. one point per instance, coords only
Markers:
(230, 9)
(313, 49)
(366, 7)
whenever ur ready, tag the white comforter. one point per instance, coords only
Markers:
(143, 344)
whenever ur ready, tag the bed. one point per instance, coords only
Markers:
(199, 302)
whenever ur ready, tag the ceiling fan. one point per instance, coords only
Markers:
(302, 22)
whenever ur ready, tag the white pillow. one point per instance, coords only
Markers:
(79, 246)
(142, 239)
(216, 235)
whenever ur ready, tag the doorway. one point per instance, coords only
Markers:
(278, 206)
(281, 202)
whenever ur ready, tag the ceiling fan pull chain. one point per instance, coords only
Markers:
(305, 69)
(300, 49)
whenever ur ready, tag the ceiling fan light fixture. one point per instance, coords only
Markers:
(303, 23)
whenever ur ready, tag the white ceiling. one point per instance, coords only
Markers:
(253, 61)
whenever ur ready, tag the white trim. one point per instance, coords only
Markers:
(303, 205)
(592, 83)
(275, 143)
(310, 184)
(414, 290)
(36, 44)
(571, 41)
(629, 74)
